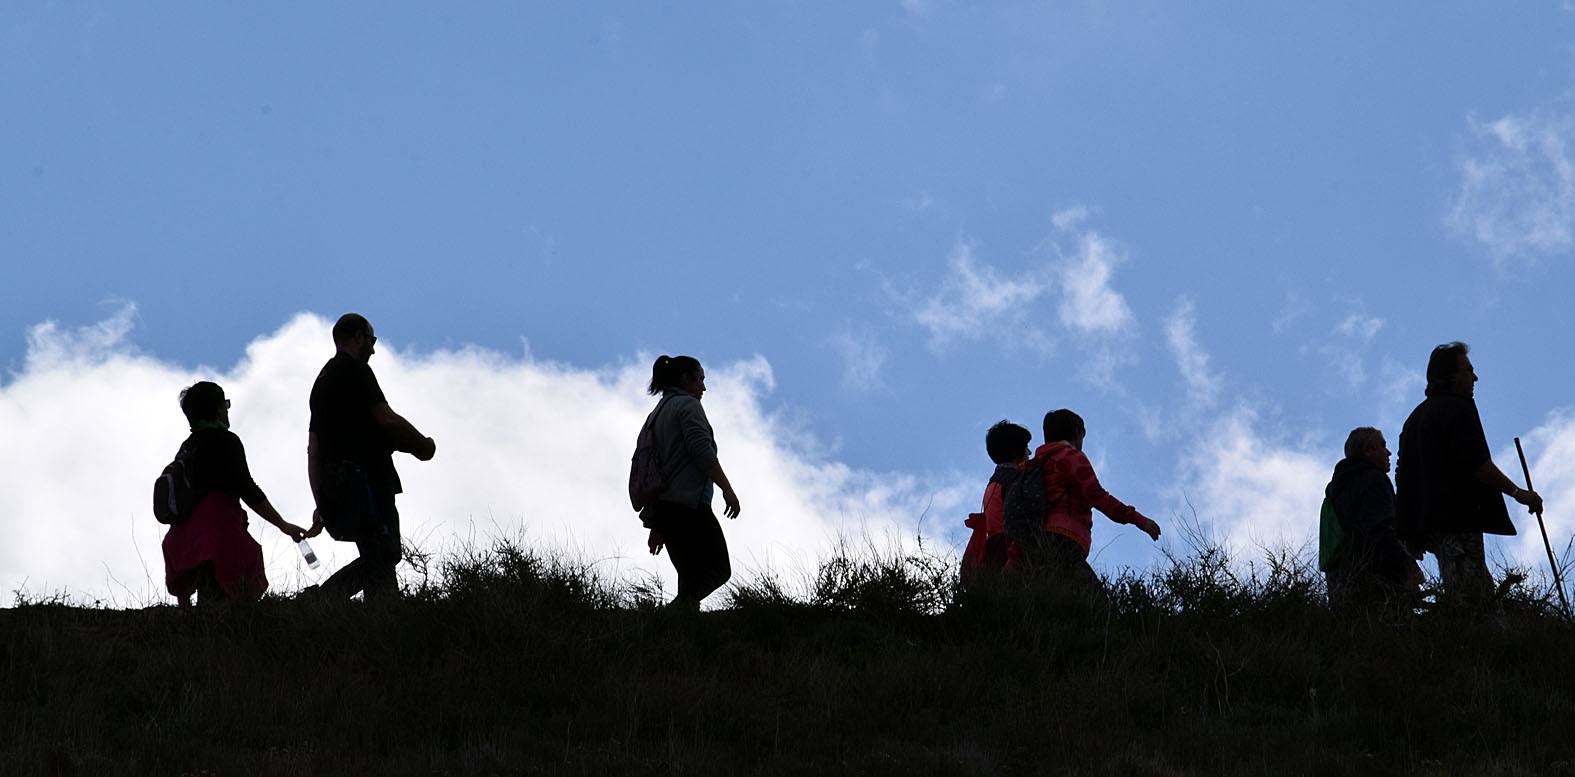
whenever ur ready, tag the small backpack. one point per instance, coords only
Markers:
(1025, 504)
(1331, 536)
(646, 479)
(174, 498)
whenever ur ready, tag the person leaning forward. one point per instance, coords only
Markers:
(1447, 486)
(349, 458)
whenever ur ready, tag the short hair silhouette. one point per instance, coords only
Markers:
(670, 372)
(1361, 440)
(201, 401)
(1444, 363)
(1006, 441)
(348, 326)
(1063, 426)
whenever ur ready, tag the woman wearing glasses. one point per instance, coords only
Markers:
(210, 554)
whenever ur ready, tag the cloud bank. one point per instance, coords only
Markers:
(1517, 184)
(523, 446)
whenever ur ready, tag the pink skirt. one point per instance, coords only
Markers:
(214, 534)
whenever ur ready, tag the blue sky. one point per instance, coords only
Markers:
(899, 206)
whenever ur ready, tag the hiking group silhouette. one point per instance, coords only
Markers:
(1034, 525)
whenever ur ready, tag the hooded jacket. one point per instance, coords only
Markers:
(1364, 501)
(1072, 491)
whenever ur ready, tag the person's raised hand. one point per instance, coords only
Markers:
(655, 542)
(731, 499)
(292, 531)
(317, 524)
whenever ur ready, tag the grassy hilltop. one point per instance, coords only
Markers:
(505, 662)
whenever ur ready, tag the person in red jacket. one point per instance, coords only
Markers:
(1007, 444)
(1072, 491)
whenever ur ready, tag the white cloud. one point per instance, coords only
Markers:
(975, 299)
(1294, 309)
(1252, 491)
(1345, 350)
(1203, 385)
(1361, 327)
(863, 358)
(90, 421)
(1069, 219)
(1088, 304)
(1399, 390)
(1517, 184)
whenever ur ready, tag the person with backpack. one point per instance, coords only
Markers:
(672, 479)
(350, 447)
(1049, 509)
(208, 551)
(1448, 491)
(1007, 445)
(1361, 556)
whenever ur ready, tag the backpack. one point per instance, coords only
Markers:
(646, 479)
(1331, 536)
(174, 498)
(1024, 505)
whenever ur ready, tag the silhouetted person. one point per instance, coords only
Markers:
(1372, 568)
(1072, 491)
(681, 518)
(1447, 487)
(1007, 445)
(211, 554)
(350, 462)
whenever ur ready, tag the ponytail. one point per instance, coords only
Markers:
(670, 372)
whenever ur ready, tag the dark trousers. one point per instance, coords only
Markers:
(372, 573)
(696, 546)
(1060, 563)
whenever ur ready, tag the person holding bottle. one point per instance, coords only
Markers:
(211, 555)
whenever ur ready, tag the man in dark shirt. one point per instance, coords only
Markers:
(1447, 486)
(350, 463)
(1372, 568)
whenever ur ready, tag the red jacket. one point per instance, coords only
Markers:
(1072, 491)
(987, 545)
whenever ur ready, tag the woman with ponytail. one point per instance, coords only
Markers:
(680, 518)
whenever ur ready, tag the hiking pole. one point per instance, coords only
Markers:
(1558, 582)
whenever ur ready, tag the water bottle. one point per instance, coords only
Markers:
(306, 552)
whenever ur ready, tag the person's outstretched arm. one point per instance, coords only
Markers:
(1082, 475)
(265, 510)
(235, 477)
(403, 433)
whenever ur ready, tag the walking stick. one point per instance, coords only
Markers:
(1558, 582)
